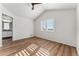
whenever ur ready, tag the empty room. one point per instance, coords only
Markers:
(39, 29)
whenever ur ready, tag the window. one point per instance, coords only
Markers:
(48, 25)
(6, 26)
(43, 25)
(6, 23)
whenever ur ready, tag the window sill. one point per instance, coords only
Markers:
(48, 30)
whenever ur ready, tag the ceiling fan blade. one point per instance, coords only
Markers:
(34, 4)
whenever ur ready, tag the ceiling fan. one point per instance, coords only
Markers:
(33, 4)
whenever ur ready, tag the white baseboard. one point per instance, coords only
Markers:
(59, 41)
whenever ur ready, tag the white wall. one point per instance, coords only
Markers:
(23, 28)
(77, 32)
(65, 31)
(0, 27)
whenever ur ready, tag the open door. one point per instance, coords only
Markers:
(7, 29)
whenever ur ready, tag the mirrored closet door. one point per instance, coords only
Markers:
(7, 29)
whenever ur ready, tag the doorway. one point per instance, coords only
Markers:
(7, 30)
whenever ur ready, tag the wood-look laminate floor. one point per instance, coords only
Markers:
(37, 47)
(6, 41)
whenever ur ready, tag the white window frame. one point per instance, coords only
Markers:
(44, 24)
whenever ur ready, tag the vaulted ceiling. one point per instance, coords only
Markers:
(25, 9)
